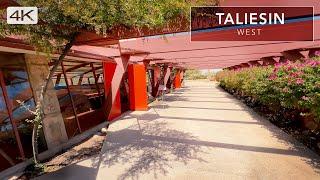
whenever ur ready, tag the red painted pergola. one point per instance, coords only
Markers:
(177, 49)
(162, 52)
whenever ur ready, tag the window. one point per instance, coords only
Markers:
(66, 105)
(9, 151)
(15, 131)
(80, 91)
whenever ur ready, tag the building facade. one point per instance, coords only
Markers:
(74, 103)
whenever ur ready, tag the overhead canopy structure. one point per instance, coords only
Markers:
(174, 45)
(208, 55)
(178, 48)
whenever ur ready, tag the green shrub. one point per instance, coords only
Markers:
(290, 85)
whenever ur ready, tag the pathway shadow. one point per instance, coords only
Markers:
(165, 106)
(178, 98)
(197, 93)
(226, 96)
(149, 148)
(154, 117)
(159, 146)
(201, 99)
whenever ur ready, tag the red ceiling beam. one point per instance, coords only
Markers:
(312, 52)
(266, 61)
(293, 55)
(121, 32)
(254, 63)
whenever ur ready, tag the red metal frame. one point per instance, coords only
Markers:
(267, 61)
(71, 98)
(155, 80)
(137, 87)
(292, 55)
(108, 73)
(182, 71)
(177, 79)
(9, 109)
(171, 78)
(95, 77)
(167, 72)
(113, 94)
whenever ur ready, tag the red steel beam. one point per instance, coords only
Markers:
(113, 93)
(312, 52)
(268, 61)
(293, 55)
(177, 79)
(171, 78)
(167, 73)
(137, 87)
(108, 73)
(254, 63)
(283, 59)
(155, 80)
(95, 77)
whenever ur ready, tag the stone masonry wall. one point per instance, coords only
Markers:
(53, 124)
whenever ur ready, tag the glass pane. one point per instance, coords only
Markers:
(19, 90)
(66, 105)
(86, 98)
(9, 151)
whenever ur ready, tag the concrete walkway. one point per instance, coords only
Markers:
(198, 132)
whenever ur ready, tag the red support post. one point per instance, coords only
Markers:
(113, 74)
(171, 77)
(108, 72)
(177, 79)
(137, 87)
(155, 80)
(182, 76)
(149, 76)
(167, 72)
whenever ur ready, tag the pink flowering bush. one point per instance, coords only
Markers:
(294, 86)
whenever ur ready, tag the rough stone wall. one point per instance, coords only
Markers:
(53, 124)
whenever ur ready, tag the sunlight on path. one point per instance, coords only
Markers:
(198, 132)
(201, 132)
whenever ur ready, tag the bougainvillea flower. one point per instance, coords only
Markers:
(299, 81)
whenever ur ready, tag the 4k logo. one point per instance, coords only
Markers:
(22, 15)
